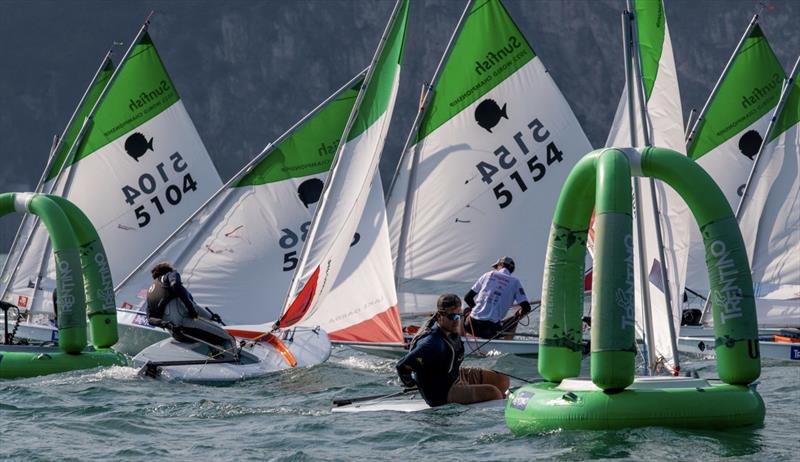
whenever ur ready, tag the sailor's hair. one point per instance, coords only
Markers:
(161, 269)
(447, 301)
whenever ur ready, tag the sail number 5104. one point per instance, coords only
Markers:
(148, 183)
(506, 160)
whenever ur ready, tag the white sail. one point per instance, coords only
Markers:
(770, 219)
(137, 169)
(485, 167)
(362, 305)
(346, 193)
(665, 129)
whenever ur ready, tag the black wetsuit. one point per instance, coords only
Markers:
(163, 312)
(435, 359)
(163, 291)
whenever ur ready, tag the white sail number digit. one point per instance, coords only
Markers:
(148, 183)
(506, 160)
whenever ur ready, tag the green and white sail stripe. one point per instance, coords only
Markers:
(345, 195)
(138, 169)
(24, 243)
(731, 130)
(665, 117)
(770, 218)
(485, 167)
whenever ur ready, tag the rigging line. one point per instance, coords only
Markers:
(502, 332)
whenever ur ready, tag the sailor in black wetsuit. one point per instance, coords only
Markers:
(171, 306)
(433, 363)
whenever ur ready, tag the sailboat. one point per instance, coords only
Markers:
(649, 113)
(728, 132)
(769, 216)
(133, 144)
(481, 168)
(328, 237)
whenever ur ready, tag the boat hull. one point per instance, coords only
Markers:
(308, 346)
(700, 342)
(472, 347)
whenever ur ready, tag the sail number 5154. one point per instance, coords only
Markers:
(537, 169)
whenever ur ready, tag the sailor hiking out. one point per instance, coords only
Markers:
(490, 298)
(171, 306)
(433, 363)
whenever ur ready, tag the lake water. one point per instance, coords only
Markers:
(113, 414)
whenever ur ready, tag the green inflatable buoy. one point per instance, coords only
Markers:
(83, 280)
(613, 398)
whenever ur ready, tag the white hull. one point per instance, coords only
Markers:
(472, 346)
(135, 333)
(699, 341)
(411, 402)
(308, 346)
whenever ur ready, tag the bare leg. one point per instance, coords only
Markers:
(509, 327)
(477, 385)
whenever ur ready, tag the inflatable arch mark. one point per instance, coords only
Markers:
(83, 285)
(601, 181)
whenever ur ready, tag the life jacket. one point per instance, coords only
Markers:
(159, 295)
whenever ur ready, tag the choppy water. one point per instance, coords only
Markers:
(114, 415)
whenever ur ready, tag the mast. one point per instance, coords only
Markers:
(647, 330)
(689, 123)
(57, 143)
(427, 92)
(268, 149)
(79, 139)
(690, 139)
(314, 228)
(656, 212)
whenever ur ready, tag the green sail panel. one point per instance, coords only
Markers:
(72, 131)
(489, 49)
(380, 89)
(790, 114)
(141, 91)
(310, 149)
(750, 89)
(651, 26)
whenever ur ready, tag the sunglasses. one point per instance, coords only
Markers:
(452, 316)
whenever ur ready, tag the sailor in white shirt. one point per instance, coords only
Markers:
(490, 298)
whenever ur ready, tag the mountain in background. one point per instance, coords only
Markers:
(247, 71)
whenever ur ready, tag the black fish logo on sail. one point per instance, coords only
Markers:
(749, 143)
(488, 114)
(137, 145)
(309, 191)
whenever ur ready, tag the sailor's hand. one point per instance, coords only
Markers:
(408, 381)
